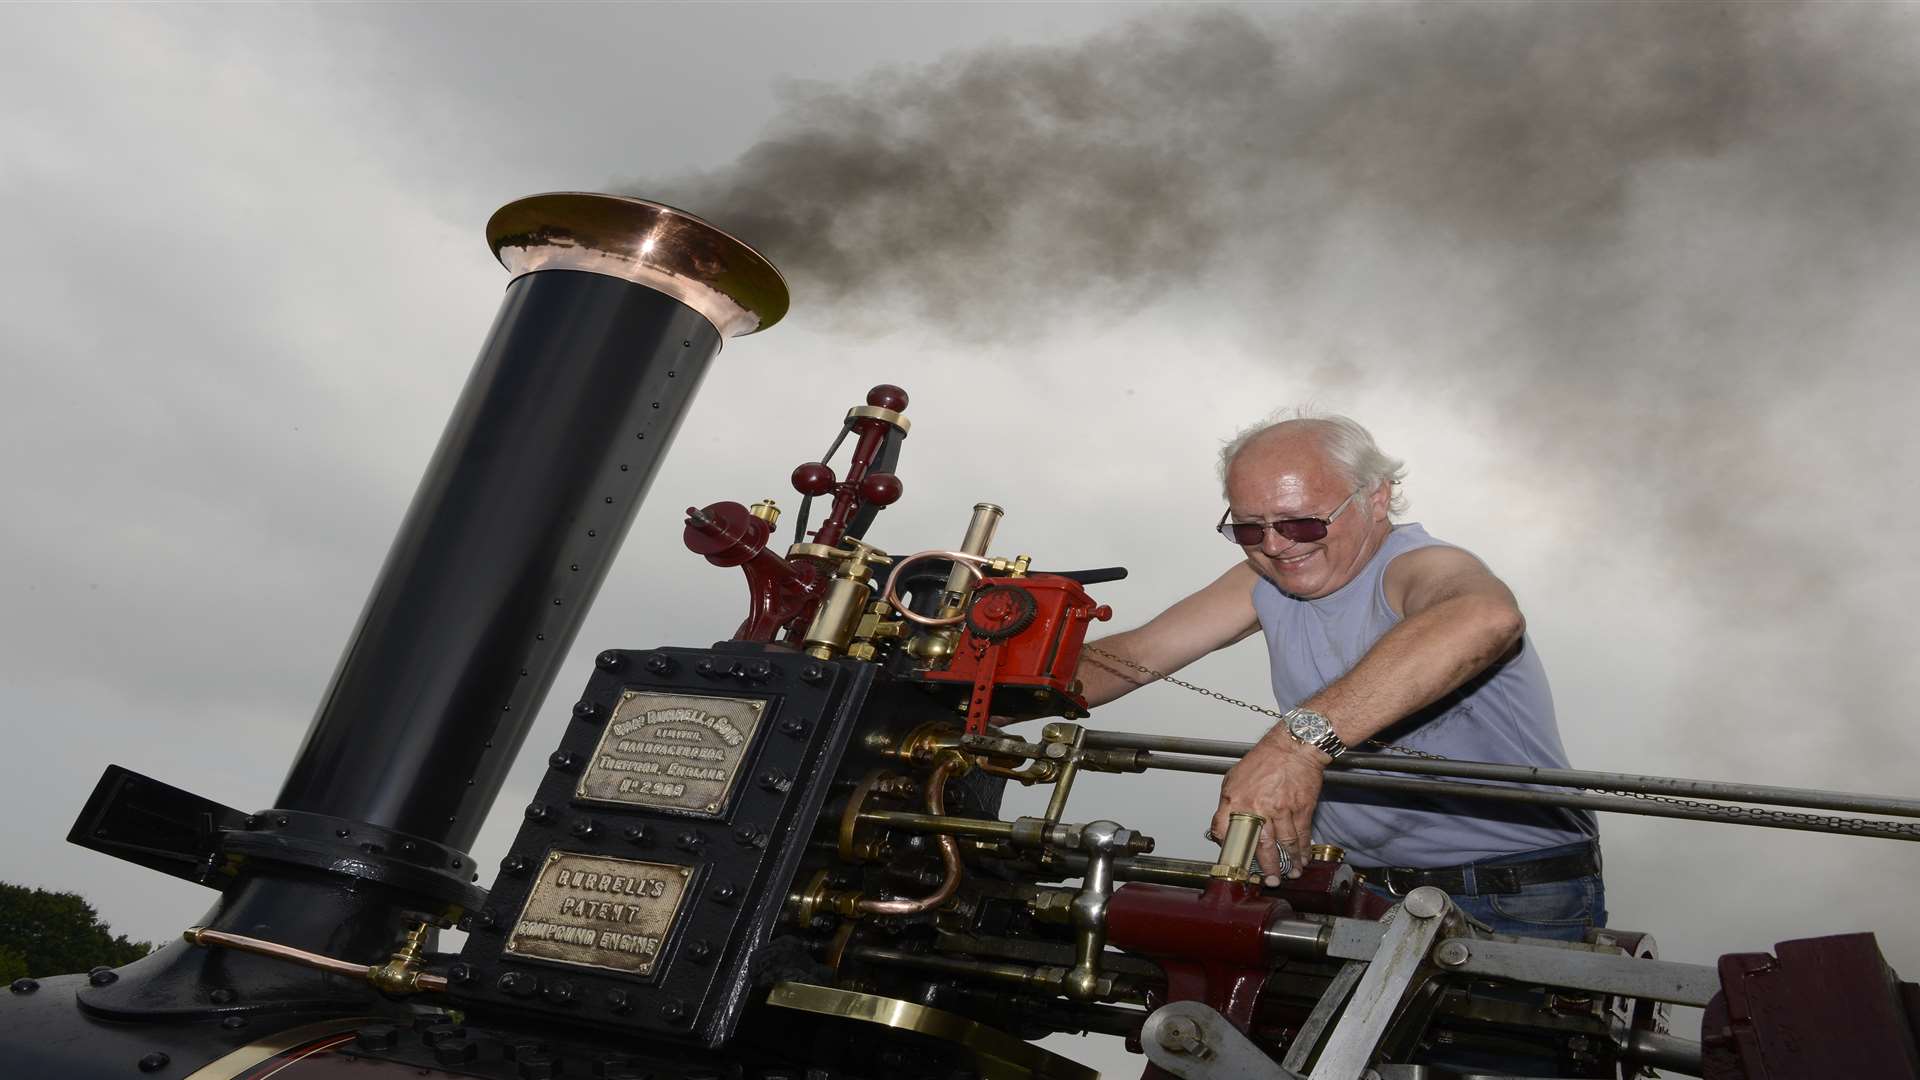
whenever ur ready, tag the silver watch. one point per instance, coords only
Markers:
(1311, 729)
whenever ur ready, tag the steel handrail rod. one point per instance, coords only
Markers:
(1530, 774)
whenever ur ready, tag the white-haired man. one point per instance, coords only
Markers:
(1376, 631)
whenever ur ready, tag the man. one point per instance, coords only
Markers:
(1375, 631)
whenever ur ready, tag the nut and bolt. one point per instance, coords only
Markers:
(1452, 953)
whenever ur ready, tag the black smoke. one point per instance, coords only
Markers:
(1664, 247)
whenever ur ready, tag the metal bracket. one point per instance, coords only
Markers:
(1409, 931)
(1192, 1041)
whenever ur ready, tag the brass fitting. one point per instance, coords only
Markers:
(1332, 853)
(1052, 906)
(766, 511)
(1236, 851)
(401, 973)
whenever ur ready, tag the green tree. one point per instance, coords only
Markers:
(54, 933)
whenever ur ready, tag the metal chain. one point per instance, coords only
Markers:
(1723, 811)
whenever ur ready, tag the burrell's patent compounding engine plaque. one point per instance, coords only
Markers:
(598, 912)
(671, 751)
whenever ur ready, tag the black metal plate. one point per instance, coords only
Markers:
(740, 859)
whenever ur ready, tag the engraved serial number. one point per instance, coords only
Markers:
(668, 789)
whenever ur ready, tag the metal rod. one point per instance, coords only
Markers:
(933, 823)
(1739, 815)
(1664, 1052)
(1528, 774)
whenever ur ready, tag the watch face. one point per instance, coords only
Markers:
(1308, 726)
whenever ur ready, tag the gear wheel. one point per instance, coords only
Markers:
(999, 612)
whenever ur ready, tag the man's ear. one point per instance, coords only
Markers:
(1380, 499)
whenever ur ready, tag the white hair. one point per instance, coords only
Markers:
(1348, 445)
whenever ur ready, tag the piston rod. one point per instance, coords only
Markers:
(1739, 815)
(1529, 774)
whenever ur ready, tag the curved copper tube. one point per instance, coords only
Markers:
(970, 563)
(949, 853)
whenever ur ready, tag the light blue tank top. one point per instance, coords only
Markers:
(1505, 714)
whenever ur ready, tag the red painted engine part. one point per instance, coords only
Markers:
(782, 594)
(1822, 1007)
(1212, 944)
(778, 592)
(1030, 644)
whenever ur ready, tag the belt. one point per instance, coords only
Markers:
(1502, 879)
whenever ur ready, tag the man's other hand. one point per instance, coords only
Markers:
(1278, 779)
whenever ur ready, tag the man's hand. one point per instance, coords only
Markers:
(1279, 780)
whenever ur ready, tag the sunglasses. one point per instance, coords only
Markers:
(1300, 530)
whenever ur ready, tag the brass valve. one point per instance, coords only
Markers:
(832, 629)
(766, 511)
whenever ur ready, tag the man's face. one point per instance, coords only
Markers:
(1285, 474)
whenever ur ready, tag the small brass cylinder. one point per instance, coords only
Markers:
(1236, 851)
(766, 511)
(1332, 853)
(986, 518)
(832, 625)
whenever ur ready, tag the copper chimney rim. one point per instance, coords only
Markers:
(672, 251)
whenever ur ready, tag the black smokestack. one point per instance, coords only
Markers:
(615, 309)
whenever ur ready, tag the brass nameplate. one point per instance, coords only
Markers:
(671, 751)
(597, 912)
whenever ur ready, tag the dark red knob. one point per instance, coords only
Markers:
(887, 396)
(880, 489)
(813, 478)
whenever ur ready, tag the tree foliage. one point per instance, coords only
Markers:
(54, 933)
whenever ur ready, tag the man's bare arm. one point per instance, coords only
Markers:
(1213, 618)
(1457, 618)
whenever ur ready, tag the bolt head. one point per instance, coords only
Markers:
(234, 1023)
(608, 661)
(586, 710)
(636, 834)
(1178, 1034)
(221, 995)
(813, 674)
(660, 665)
(103, 976)
(1452, 953)
(154, 1062)
(23, 986)
(1425, 902)
(584, 828)
(538, 812)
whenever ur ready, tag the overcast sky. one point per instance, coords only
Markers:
(1630, 288)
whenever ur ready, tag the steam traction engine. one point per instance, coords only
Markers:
(783, 855)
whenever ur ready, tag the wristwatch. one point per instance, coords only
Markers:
(1311, 729)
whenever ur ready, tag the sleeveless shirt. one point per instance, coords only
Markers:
(1504, 714)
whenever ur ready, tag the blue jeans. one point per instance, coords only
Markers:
(1565, 910)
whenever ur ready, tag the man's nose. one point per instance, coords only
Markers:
(1272, 543)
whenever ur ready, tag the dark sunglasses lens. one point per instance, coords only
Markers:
(1301, 530)
(1244, 535)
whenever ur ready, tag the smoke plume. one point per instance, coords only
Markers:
(1662, 246)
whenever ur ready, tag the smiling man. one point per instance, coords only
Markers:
(1376, 632)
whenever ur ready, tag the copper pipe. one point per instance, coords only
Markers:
(205, 938)
(949, 852)
(200, 935)
(962, 562)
